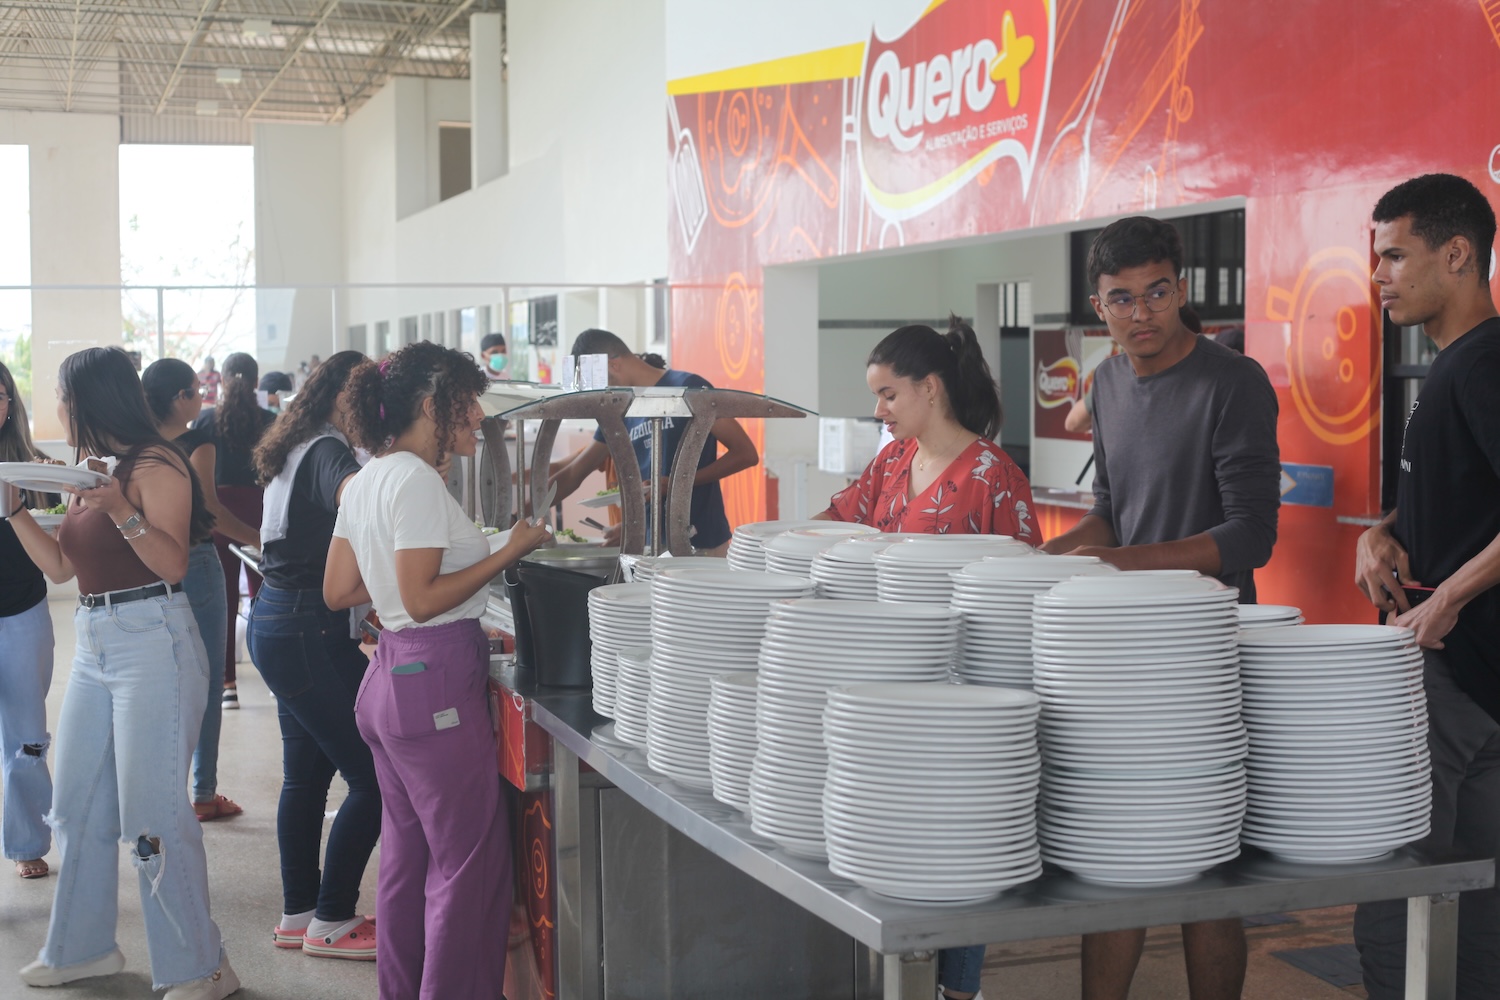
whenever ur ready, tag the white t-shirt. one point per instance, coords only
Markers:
(398, 501)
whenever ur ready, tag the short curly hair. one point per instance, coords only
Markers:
(385, 399)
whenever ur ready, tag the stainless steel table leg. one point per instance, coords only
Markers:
(575, 830)
(911, 976)
(1432, 947)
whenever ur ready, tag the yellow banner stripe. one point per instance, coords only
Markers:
(841, 63)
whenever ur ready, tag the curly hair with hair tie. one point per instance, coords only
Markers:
(386, 399)
(307, 414)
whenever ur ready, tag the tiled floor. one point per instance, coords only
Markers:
(245, 890)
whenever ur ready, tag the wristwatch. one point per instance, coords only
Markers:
(130, 523)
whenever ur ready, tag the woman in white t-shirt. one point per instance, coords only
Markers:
(403, 543)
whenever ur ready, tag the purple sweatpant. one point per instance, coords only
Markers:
(445, 862)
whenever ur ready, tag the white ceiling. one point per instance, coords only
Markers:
(145, 59)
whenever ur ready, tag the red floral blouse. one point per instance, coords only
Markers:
(982, 492)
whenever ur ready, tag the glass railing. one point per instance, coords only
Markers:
(287, 327)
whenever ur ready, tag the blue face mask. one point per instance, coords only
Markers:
(498, 362)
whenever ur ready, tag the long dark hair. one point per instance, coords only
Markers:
(238, 418)
(307, 413)
(164, 381)
(385, 398)
(108, 412)
(916, 352)
(15, 437)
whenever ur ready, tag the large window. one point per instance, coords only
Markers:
(1213, 262)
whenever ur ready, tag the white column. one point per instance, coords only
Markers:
(75, 239)
(489, 141)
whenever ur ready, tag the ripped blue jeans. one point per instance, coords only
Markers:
(129, 723)
(25, 675)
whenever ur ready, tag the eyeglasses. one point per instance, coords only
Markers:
(1122, 305)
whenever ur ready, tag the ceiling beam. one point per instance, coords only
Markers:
(395, 55)
(291, 56)
(72, 58)
(199, 26)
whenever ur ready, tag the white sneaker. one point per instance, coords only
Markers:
(38, 974)
(944, 996)
(215, 987)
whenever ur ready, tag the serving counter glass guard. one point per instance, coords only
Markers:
(660, 406)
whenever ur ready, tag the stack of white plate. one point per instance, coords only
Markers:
(810, 647)
(632, 694)
(642, 569)
(1142, 828)
(931, 790)
(747, 545)
(703, 622)
(846, 571)
(793, 551)
(1269, 615)
(1339, 767)
(731, 736)
(619, 616)
(1139, 680)
(922, 571)
(994, 598)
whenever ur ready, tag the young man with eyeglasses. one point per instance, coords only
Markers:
(1187, 476)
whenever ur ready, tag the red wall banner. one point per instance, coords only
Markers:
(991, 116)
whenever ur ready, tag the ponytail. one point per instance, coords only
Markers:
(972, 392)
(384, 399)
(238, 422)
(915, 352)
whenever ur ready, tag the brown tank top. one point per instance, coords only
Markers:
(100, 555)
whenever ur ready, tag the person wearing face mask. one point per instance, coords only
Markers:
(494, 357)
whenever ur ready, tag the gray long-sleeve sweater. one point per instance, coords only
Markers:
(1189, 450)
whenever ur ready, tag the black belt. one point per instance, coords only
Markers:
(126, 596)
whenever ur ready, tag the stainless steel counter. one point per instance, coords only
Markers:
(1056, 904)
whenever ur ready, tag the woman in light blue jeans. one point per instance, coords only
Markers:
(135, 698)
(25, 676)
(25, 663)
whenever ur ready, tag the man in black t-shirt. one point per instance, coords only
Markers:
(1433, 563)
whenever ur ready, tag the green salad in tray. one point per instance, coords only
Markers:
(609, 492)
(569, 535)
(61, 508)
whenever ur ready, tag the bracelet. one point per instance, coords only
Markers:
(13, 513)
(144, 527)
(130, 522)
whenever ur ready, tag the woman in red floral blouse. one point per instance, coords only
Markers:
(943, 473)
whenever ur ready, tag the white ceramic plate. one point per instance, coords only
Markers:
(43, 478)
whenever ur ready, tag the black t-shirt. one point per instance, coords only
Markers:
(188, 442)
(232, 467)
(192, 439)
(21, 583)
(296, 562)
(1448, 495)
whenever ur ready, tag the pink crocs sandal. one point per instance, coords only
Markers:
(358, 944)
